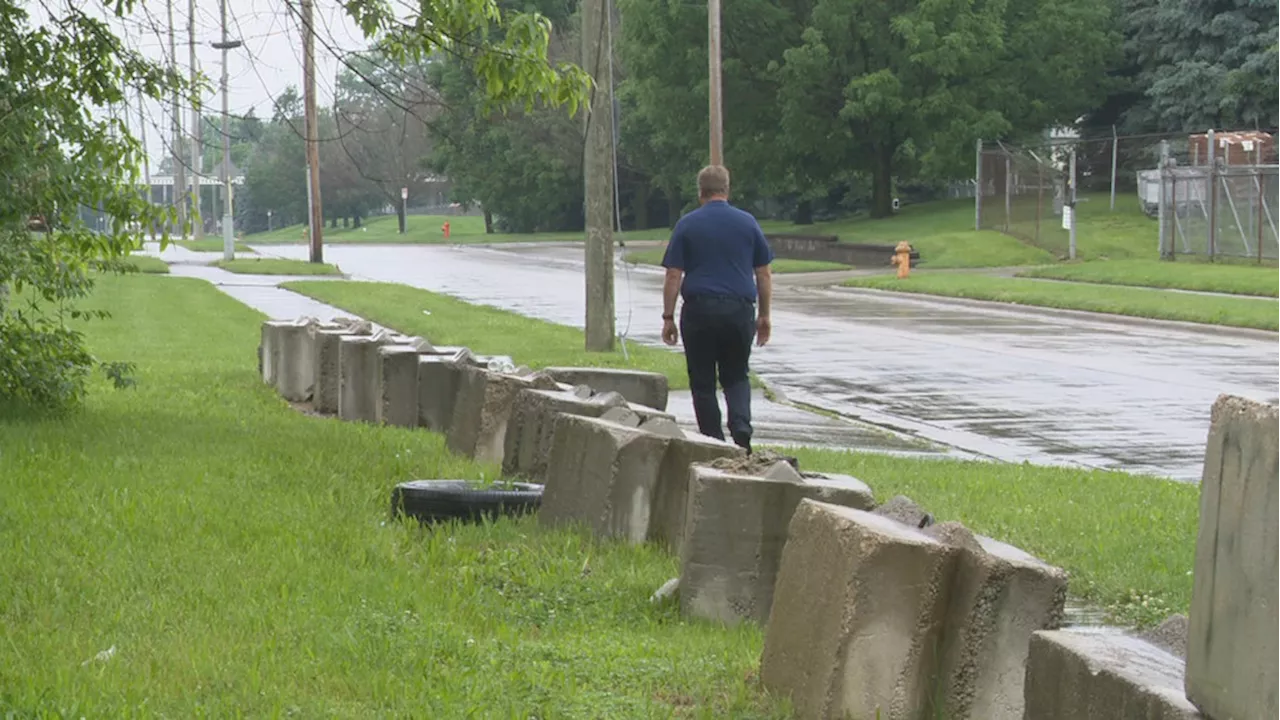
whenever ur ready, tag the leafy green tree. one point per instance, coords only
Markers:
(905, 83)
(61, 151)
(1205, 64)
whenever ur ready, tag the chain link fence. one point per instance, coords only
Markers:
(1219, 191)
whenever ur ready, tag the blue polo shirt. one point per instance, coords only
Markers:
(718, 247)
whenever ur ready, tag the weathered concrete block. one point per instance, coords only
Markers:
(482, 411)
(1103, 675)
(296, 377)
(398, 390)
(326, 347)
(1232, 637)
(438, 381)
(531, 429)
(732, 542)
(1000, 596)
(358, 384)
(671, 495)
(601, 474)
(643, 388)
(857, 615)
(271, 349)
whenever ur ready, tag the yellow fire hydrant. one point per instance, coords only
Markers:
(902, 258)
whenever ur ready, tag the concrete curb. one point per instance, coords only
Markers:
(1106, 318)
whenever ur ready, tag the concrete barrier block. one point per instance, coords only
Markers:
(601, 474)
(358, 383)
(1000, 596)
(671, 496)
(857, 615)
(398, 390)
(643, 388)
(1103, 674)
(438, 381)
(295, 373)
(1232, 633)
(531, 431)
(271, 348)
(736, 527)
(326, 346)
(839, 489)
(482, 411)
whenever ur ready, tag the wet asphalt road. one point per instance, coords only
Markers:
(1008, 384)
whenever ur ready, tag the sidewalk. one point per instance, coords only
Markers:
(776, 423)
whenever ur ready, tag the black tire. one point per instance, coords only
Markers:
(434, 501)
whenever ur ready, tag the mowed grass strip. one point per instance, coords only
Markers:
(1132, 301)
(428, 230)
(653, 256)
(486, 330)
(1232, 279)
(277, 266)
(239, 558)
(1127, 541)
(147, 264)
(210, 244)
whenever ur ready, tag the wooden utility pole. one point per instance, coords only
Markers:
(313, 146)
(713, 61)
(179, 175)
(197, 164)
(598, 178)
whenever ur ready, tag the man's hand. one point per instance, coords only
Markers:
(764, 328)
(670, 335)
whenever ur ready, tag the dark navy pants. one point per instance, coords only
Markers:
(718, 332)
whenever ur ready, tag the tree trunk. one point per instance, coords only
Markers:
(346, 221)
(640, 205)
(359, 221)
(400, 216)
(488, 221)
(882, 182)
(333, 223)
(804, 212)
(673, 208)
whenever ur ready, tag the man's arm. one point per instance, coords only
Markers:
(764, 287)
(671, 291)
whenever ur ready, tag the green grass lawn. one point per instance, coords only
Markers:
(653, 256)
(148, 264)
(238, 557)
(1183, 275)
(1128, 542)
(486, 330)
(426, 229)
(277, 266)
(210, 244)
(1137, 302)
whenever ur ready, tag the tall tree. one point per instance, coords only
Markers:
(383, 112)
(1204, 64)
(875, 84)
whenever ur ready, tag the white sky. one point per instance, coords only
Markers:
(269, 61)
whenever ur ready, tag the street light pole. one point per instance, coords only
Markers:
(228, 232)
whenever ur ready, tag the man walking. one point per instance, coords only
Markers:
(718, 261)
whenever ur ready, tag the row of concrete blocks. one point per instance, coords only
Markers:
(873, 618)
(347, 369)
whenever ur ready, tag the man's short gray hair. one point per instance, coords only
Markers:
(713, 180)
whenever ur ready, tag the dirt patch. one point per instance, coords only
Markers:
(755, 464)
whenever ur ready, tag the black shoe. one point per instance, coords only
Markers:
(743, 441)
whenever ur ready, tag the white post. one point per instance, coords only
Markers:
(1115, 146)
(1071, 252)
(977, 188)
